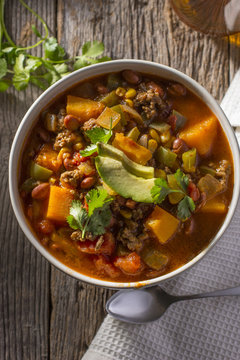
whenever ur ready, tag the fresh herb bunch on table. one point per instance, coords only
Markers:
(18, 67)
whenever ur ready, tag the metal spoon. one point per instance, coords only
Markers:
(149, 304)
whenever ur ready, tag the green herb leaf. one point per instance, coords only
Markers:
(185, 207)
(96, 198)
(53, 50)
(96, 135)
(3, 67)
(4, 85)
(98, 216)
(36, 32)
(182, 180)
(160, 190)
(78, 216)
(92, 49)
(99, 220)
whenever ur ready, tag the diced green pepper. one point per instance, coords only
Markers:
(180, 122)
(39, 172)
(174, 198)
(118, 109)
(154, 258)
(166, 157)
(160, 174)
(113, 81)
(162, 127)
(207, 170)
(110, 99)
(134, 134)
(189, 160)
(29, 185)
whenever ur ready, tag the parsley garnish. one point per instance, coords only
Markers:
(96, 135)
(19, 68)
(161, 189)
(96, 218)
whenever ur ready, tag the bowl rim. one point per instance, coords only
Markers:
(63, 85)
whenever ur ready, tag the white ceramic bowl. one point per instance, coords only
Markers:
(61, 86)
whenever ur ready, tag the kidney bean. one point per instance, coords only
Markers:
(179, 146)
(71, 122)
(152, 85)
(101, 89)
(69, 164)
(41, 191)
(193, 191)
(88, 182)
(177, 89)
(131, 77)
(45, 226)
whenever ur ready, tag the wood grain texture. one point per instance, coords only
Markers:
(45, 314)
(25, 275)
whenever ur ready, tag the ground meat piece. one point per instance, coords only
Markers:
(223, 172)
(77, 236)
(65, 138)
(88, 125)
(129, 239)
(60, 120)
(142, 211)
(151, 105)
(72, 178)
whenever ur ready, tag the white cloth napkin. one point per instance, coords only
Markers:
(206, 329)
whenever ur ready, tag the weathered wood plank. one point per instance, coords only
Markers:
(25, 275)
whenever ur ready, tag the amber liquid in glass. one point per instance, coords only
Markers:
(214, 17)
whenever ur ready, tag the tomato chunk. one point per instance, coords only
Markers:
(102, 264)
(106, 248)
(130, 264)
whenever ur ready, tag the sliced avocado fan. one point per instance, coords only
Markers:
(131, 166)
(115, 175)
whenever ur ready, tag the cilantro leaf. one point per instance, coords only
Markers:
(53, 50)
(96, 135)
(98, 216)
(182, 180)
(185, 207)
(160, 190)
(99, 135)
(4, 85)
(3, 67)
(99, 220)
(92, 49)
(78, 216)
(96, 198)
(36, 32)
(89, 150)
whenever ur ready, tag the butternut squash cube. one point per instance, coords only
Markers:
(105, 118)
(47, 158)
(84, 109)
(134, 151)
(201, 135)
(214, 206)
(59, 203)
(162, 224)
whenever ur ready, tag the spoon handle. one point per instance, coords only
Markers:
(225, 292)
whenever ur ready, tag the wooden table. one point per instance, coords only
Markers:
(46, 314)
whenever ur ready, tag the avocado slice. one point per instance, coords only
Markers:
(131, 166)
(115, 175)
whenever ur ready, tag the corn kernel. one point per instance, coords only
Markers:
(152, 145)
(78, 146)
(61, 153)
(130, 94)
(52, 180)
(129, 102)
(154, 135)
(160, 173)
(165, 137)
(126, 214)
(120, 91)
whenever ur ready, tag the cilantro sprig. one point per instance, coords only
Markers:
(96, 135)
(19, 68)
(161, 189)
(97, 216)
